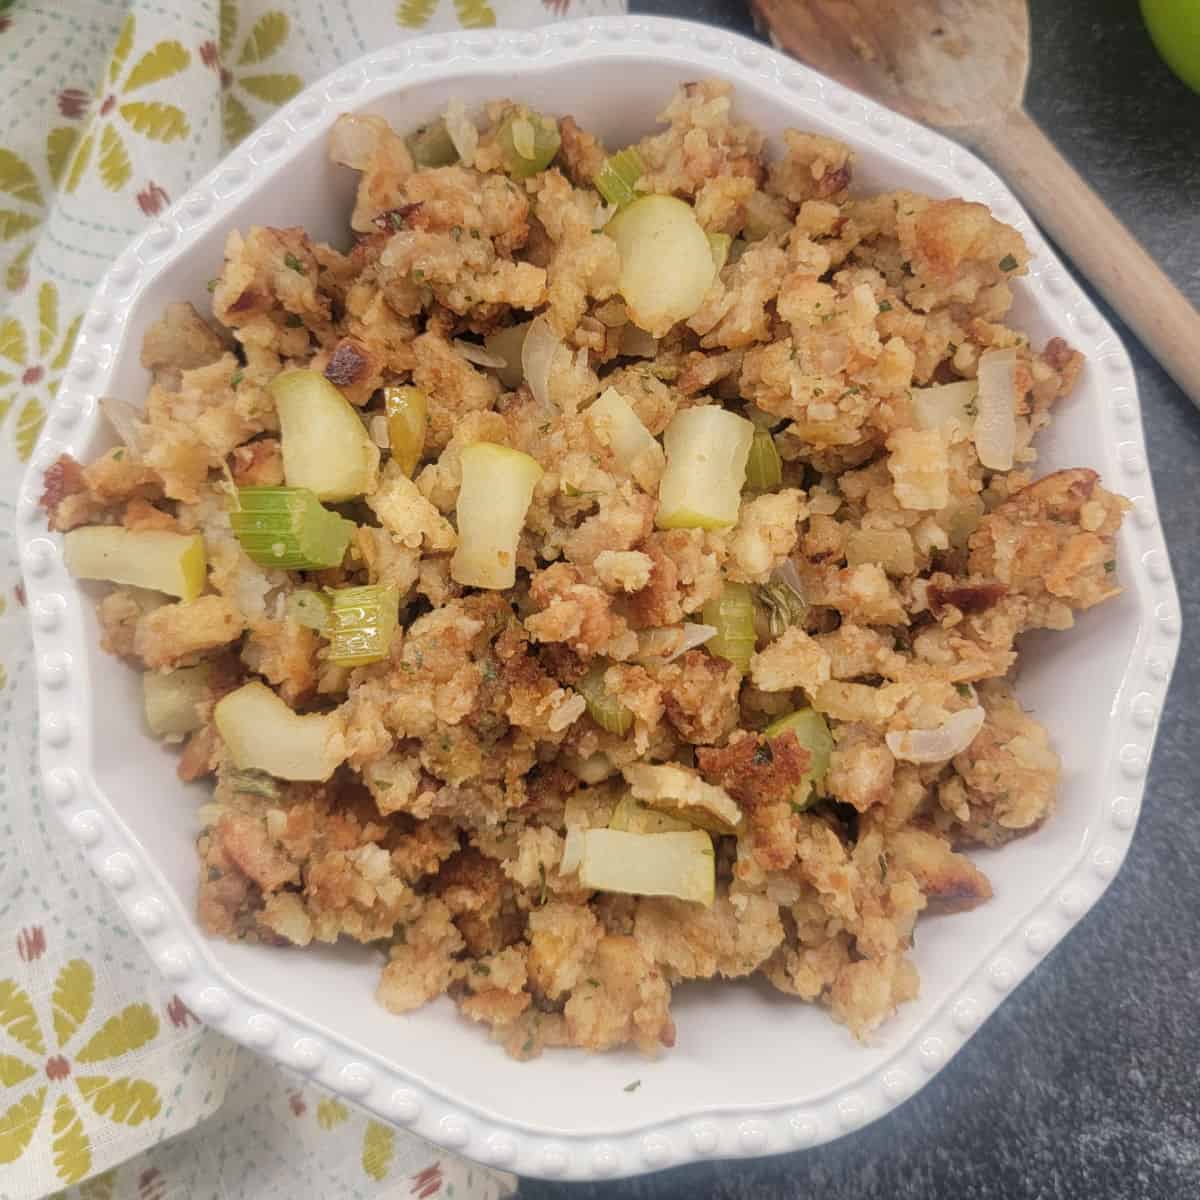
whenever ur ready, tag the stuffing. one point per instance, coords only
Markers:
(771, 721)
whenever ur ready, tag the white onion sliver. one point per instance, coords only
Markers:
(666, 645)
(996, 423)
(462, 131)
(377, 427)
(953, 736)
(123, 417)
(537, 358)
(477, 354)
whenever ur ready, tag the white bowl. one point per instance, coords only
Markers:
(753, 1073)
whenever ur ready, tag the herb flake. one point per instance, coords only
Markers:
(632, 1087)
(1008, 263)
(294, 264)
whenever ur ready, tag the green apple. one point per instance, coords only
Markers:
(1175, 27)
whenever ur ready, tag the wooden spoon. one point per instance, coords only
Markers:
(960, 65)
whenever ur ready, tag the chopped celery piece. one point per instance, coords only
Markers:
(682, 865)
(528, 142)
(631, 816)
(764, 467)
(362, 623)
(603, 707)
(732, 614)
(618, 177)
(431, 145)
(288, 528)
(262, 733)
(308, 608)
(497, 486)
(666, 262)
(171, 700)
(707, 448)
(157, 559)
(326, 447)
(719, 244)
(784, 606)
(813, 734)
(407, 411)
(253, 783)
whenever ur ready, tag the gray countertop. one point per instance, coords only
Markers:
(1085, 1084)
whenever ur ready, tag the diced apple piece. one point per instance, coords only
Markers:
(682, 865)
(157, 559)
(263, 734)
(707, 448)
(614, 422)
(171, 700)
(667, 263)
(497, 486)
(631, 816)
(680, 792)
(326, 448)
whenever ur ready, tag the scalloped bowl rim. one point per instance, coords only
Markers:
(704, 1128)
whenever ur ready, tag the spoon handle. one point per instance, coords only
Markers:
(1099, 245)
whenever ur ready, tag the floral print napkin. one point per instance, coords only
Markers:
(110, 1089)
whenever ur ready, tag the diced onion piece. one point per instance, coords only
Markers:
(996, 423)
(731, 614)
(431, 145)
(707, 449)
(263, 734)
(764, 467)
(506, 345)
(666, 262)
(618, 176)
(497, 487)
(596, 768)
(481, 356)
(309, 608)
(538, 352)
(362, 623)
(123, 417)
(719, 244)
(637, 343)
(255, 783)
(289, 528)
(407, 411)
(682, 865)
(674, 789)
(603, 707)
(354, 140)
(631, 816)
(171, 700)
(157, 559)
(812, 732)
(615, 423)
(938, 745)
(326, 447)
(666, 645)
(945, 405)
(528, 142)
(462, 131)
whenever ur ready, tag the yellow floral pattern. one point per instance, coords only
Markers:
(111, 1096)
(241, 81)
(470, 14)
(30, 362)
(157, 120)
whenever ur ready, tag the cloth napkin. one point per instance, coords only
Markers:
(110, 1088)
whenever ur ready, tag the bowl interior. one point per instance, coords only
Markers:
(739, 1044)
